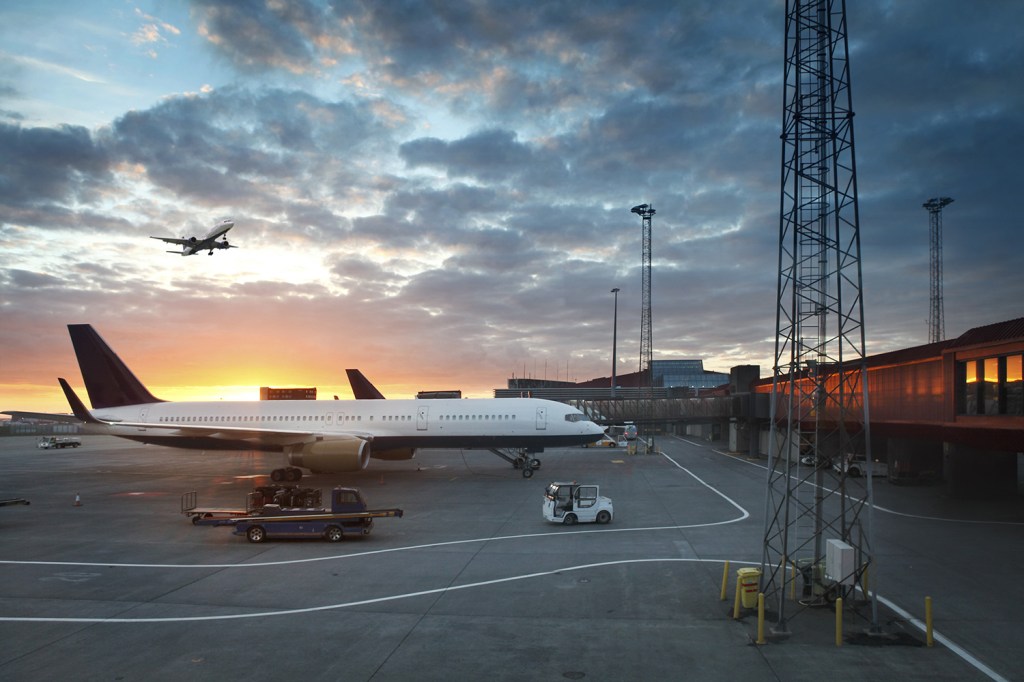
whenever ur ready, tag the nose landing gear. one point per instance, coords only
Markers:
(519, 459)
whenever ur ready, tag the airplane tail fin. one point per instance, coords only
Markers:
(77, 406)
(362, 389)
(108, 380)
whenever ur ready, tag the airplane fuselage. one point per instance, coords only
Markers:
(388, 424)
(333, 436)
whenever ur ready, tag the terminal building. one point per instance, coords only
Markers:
(670, 378)
(949, 412)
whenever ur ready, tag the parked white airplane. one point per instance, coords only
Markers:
(321, 435)
(193, 245)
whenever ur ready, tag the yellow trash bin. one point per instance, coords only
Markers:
(748, 580)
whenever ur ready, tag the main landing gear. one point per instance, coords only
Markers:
(519, 459)
(290, 474)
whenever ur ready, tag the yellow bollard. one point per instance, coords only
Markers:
(725, 580)
(928, 621)
(760, 618)
(736, 603)
(839, 621)
(864, 580)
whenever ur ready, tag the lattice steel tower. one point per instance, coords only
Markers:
(646, 410)
(936, 320)
(646, 344)
(819, 407)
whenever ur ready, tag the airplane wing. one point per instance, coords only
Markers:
(171, 240)
(43, 416)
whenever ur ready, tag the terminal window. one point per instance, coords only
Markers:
(991, 386)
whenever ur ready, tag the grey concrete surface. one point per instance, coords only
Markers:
(471, 583)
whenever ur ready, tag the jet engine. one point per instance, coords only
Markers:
(336, 455)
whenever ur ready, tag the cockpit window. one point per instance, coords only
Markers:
(576, 417)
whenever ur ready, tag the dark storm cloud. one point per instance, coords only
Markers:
(258, 35)
(42, 165)
(543, 40)
(418, 217)
(493, 155)
(223, 146)
(31, 280)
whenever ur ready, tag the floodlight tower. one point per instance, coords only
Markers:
(646, 345)
(645, 211)
(819, 407)
(936, 321)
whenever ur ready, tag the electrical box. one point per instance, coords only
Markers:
(839, 562)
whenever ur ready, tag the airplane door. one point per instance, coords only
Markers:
(329, 419)
(542, 418)
(421, 418)
(142, 417)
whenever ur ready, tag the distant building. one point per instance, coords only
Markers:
(435, 395)
(685, 374)
(267, 393)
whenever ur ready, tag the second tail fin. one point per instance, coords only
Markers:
(362, 389)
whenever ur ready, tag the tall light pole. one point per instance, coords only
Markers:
(615, 336)
(936, 321)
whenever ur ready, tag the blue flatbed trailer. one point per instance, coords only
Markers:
(347, 516)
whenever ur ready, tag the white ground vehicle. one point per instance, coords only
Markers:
(605, 442)
(570, 503)
(857, 466)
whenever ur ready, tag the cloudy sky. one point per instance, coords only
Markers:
(438, 192)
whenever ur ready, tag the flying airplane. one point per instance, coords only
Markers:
(334, 436)
(193, 245)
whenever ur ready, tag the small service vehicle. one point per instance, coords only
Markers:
(52, 442)
(270, 513)
(571, 503)
(856, 466)
(605, 442)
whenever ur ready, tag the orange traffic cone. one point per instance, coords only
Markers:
(78, 500)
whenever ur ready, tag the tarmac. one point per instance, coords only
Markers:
(472, 583)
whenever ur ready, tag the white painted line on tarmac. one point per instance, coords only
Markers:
(881, 509)
(363, 602)
(945, 641)
(744, 514)
(959, 651)
(948, 643)
(743, 511)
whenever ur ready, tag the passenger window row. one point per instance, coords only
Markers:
(249, 419)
